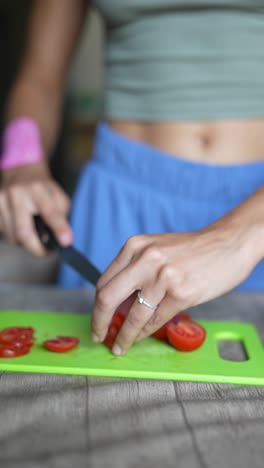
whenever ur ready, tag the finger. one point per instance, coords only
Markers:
(62, 201)
(7, 227)
(110, 296)
(54, 218)
(131, 248)
(25, 234)
(168, 308)
(138, 316)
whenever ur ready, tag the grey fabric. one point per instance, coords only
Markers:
(65, 421)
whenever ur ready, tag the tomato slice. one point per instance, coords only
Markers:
(61, 344)
(118, 319)
(126, 305)
(12, 351)
(161, 333)
(113, 330)
(186, 335)
(181, 316)
(23, 335)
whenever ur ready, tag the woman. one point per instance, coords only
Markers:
(176, 179)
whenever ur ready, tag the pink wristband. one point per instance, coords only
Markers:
(21, 144)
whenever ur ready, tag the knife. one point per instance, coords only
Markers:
(69, 255)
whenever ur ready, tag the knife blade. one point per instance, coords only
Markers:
(69, 255)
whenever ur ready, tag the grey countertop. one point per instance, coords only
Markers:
(65, 421)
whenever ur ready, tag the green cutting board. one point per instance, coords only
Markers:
(149, 359)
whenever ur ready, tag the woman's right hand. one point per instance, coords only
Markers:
(26, 191)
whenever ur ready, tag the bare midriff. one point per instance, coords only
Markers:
(212, 142)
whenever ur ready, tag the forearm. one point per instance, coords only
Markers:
(246, 223)
(53, 34)
(32, 97)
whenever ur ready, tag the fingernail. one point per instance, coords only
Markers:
(117, 350)
(65, 238)
(95, 338)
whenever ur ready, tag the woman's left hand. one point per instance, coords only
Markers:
(174, 272)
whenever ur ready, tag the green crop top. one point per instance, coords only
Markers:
(183, 59)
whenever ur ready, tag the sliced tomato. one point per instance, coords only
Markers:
(12, 351)
(126, 305)
(61, 344)
(19, 344)
(111, 336)
(161, 333)
(181, 316)
(113, 330)
(186, 335)
(118, 319)
(23, 335)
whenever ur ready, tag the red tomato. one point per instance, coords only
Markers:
(181, 316)
(61, 344)
(126, 305)
(113, 330)
(118, 319)
(12, 351)
(23, 335)
(186, 335)
(161, 333)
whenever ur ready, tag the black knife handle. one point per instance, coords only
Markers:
(45, 234)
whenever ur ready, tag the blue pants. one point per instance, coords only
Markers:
(132, 188)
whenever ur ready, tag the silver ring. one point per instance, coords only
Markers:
(141, 300)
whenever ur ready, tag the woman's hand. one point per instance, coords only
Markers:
(53, 32)
(175, 272)
(30, 190)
